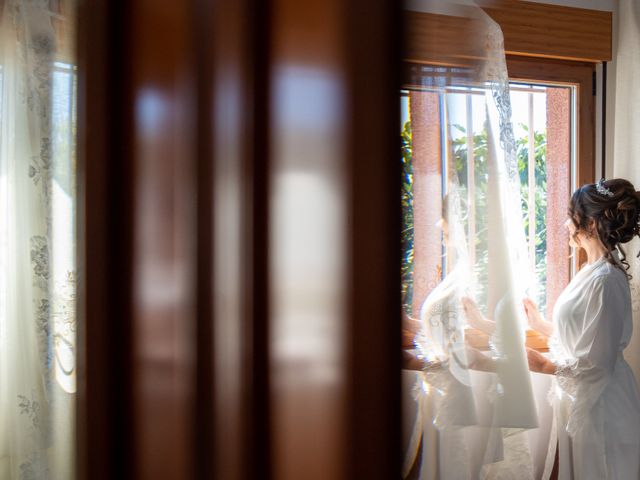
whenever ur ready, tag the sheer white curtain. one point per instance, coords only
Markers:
(37, 241)
(626, 148)
(474, 424)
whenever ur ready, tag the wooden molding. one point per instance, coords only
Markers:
(553, 31)
(441, 39)
(530, 29)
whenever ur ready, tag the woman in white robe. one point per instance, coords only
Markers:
(595, 399)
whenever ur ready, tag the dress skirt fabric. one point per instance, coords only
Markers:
(595, 396)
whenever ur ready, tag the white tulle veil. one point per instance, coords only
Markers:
(473, 416)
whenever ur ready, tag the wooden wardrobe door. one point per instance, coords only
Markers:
(240, 230)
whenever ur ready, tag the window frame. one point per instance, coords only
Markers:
(567, 73)
(580, 75)
(550, 72)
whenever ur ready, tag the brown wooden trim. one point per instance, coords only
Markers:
(553, 31)
(204, 421)
(103, 256)
(441, 39)
(374, 256)
(530, 29)
(413, 74)
(567, 73)
(241, 443)
(259, 263)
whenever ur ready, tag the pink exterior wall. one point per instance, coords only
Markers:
(427, 194)
(558, 192)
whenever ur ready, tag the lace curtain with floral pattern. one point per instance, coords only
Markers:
(37, 240)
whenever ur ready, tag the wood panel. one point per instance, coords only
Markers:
(529, 29)
(241, 318)
(553, 31)
(308, 212)
(335, 326)
(241, 444)
(441, 39)
(138, 210)
(162, 154)
(104, 221)
(205, 461)
(230, 110)
(374, 214)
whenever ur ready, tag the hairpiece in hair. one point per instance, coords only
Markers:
(602, 190)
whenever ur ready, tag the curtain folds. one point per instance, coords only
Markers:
(467, 423)
(37, 241)
(626, 149)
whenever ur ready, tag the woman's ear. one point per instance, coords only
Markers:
(592, 227)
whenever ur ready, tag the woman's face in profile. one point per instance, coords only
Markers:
(571, 228)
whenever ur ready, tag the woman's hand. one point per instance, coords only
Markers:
(475, 318)
(533, 314)
(539, 363)
(536, 321)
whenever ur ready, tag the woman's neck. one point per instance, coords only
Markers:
(594, 251)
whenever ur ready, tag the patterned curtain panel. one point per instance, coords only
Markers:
(37, 240)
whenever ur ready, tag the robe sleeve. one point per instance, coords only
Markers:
(597, 344)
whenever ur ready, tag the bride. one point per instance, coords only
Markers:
(596, 401)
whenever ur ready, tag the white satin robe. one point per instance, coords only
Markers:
(595, 396)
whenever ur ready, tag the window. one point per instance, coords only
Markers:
(552, 118)
(570, 92)
(63, 241)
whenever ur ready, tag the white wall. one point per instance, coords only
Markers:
(611, 97)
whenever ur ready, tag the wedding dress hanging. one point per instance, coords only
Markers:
(37, 241)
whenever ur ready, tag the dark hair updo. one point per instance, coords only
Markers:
(616, 215)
